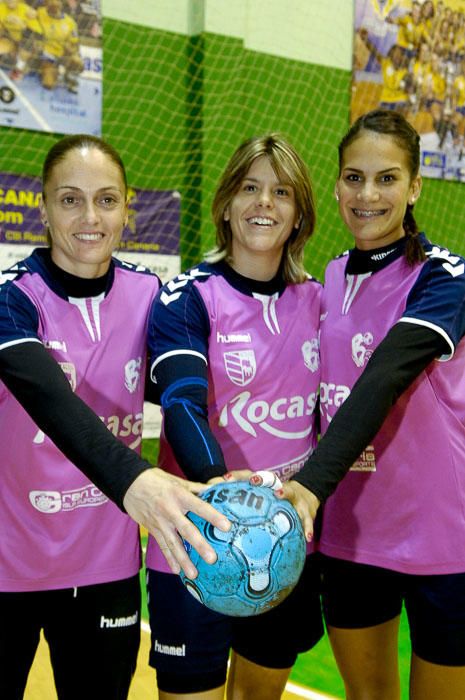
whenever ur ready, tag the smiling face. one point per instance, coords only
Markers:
(85, 211)
(54, 7)
(427, 9)
(262, 215)
(374, 188)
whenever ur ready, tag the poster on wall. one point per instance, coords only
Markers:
(151, 237)
(51, 65)
(410, 56)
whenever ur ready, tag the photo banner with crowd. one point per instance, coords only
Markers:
(51, 65)
(410, 56)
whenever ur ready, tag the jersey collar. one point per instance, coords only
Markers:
(66, 285)
(249, 286)
(362, 261)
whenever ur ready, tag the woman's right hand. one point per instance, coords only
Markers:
(159, 501)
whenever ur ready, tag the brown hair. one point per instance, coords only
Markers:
(291, 169)
(61, 148)
(394, 124)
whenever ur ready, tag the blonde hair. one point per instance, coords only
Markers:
(290, 169)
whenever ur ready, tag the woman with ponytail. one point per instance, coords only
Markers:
(393, 422)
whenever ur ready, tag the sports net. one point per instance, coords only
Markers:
(176, 107)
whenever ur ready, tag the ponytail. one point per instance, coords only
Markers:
(414, 252)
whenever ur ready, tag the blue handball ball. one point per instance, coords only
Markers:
(259, 560)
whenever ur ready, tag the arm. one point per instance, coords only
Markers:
(404, 353)
(151, 391)
(41, 387)
(149, 496)
(178, 339)
(182, 381)
(363, 34)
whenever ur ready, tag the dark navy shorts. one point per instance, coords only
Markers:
(191, 643)
(359, 595)
(93, 633)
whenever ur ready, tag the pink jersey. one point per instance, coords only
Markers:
(59, 530)
(402, 504)
(263, 374)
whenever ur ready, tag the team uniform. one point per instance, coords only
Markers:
(429, 29)
(14, 23)
(237, 365)
(410, 35)
(59, 35)
(459, 47)
(421, 72)
(69, 558)
(394, 528)
(459, 99)
(60, 49)
(18, 27)
(436, 89)
(393, 93)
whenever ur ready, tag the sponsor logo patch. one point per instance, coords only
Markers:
(132, 374)
(361, 351)
(240, 366)
(56, 501)
(311, 355)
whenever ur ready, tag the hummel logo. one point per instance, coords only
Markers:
(169, 650)
(56, 345)
(119, 621)
(233, 337)
(381, 256)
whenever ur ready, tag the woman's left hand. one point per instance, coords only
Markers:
(304, 501)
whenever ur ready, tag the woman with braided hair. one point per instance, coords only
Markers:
(393, 421)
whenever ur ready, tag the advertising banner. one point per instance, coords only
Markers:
(51, 65)
(410, 56)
